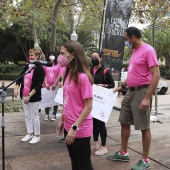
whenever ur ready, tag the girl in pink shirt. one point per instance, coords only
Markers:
(76, 119)
(52, 76)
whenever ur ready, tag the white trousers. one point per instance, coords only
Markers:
(32, 119)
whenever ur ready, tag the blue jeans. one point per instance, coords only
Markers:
(55, 108)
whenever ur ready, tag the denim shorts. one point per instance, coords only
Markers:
(130, 112)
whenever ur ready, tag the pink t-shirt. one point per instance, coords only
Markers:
(94, 71)
(27, 83)
(62, 71)
(51, 74)
(73, 104)
(142, 59)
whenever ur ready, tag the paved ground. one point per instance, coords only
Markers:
(49, 154)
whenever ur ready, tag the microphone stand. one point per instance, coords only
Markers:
(3, 95)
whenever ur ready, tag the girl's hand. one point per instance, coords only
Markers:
(60, 84)
(15, 93)
(47, 87)
(70, 136)
(53, 86)
(60, 128)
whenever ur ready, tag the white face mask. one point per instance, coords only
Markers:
(31, 65)
(52, 57)
(128, 44)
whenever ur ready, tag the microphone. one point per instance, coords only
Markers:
(43, 63)
(116, 108)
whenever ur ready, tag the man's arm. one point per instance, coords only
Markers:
(152, 87)
(154, 82)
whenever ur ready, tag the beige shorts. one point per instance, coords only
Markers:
(130, 112)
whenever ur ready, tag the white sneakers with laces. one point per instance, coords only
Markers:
(35, 139)
(26, 138)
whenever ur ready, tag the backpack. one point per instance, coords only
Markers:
(104, 73)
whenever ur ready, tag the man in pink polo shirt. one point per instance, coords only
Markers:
(142, 79)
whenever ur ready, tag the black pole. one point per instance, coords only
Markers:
(3, 95)
(3, 138)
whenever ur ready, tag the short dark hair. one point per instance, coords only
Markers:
(133, 31)
(54, 53)
(98, 52)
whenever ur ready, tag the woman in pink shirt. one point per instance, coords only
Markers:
(76, 119)
(52, 76)
(30, 93)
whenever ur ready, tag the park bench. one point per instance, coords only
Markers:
(10, 92)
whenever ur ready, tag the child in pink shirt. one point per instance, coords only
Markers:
(76, 119)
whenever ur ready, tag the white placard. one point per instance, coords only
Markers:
(48, 97)
(103, 102)
(59, 96)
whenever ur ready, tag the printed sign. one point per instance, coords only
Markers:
(59, 96)
(103, 102)
(48, 97)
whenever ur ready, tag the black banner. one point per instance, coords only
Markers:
(116, 20)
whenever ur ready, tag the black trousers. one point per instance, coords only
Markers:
(99, 128)
(80, 153)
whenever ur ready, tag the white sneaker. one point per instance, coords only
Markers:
(46, 117)
(53, 117)
(35, 139)
(101, 151)
(26, 138)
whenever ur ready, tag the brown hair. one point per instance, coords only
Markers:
(79, 64)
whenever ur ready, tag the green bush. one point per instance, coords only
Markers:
(8, 76)
(162, 70)
(21, 63)
(167, 74)
(10, 69)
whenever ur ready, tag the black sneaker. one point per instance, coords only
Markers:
(62, 140)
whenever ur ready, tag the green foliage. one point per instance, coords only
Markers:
(21, 63)
(8, 76)
(12, 105)
(9, 71)
(10, 68)
(162, 43)
(162, 70)
(85, 38)
(127, 54)
(167, 74)
(144, 11)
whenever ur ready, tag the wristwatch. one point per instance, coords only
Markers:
(75, 127)
(29, 95)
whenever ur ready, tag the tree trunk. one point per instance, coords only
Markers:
(36, 44)
(33, 24)
(54, 26)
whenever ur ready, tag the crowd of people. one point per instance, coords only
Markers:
(77, 73)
